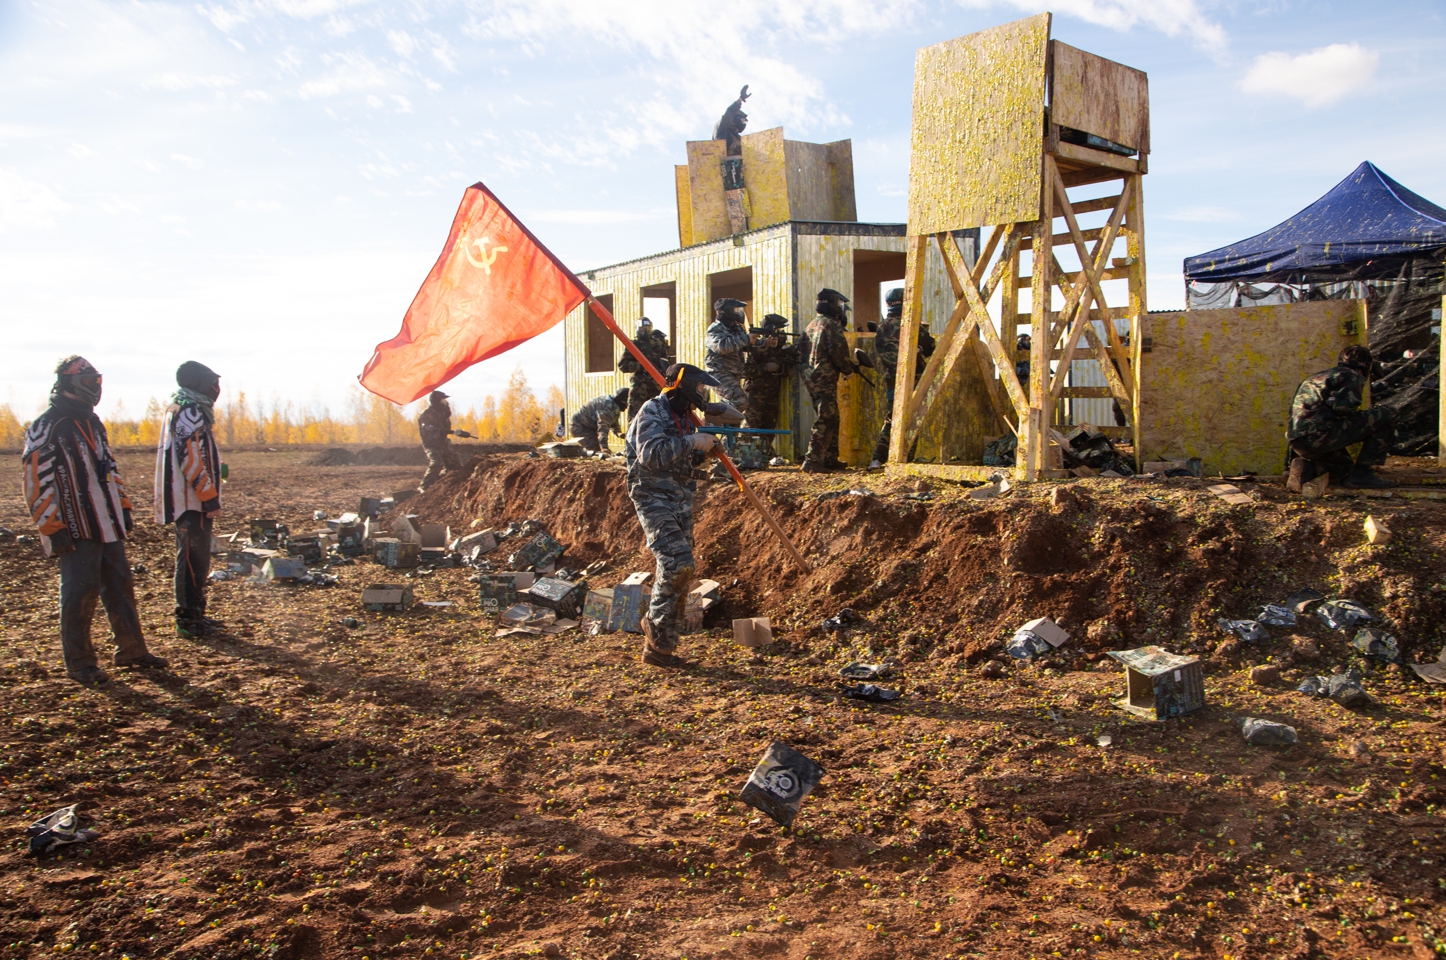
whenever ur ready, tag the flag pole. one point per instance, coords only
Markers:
(606, 316)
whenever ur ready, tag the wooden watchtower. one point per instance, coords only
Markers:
(1013, 131)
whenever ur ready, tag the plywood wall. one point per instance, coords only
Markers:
(1099, 96)
(1217, 384)
(978, 128)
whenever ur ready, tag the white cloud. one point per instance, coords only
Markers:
(1318, 78)
(27, 204)
(401, 42)
(1171, 17)
(191, 162)
(403, 104)
(596, 216)
(374, 101)
(258, 206)
(178, 82)
(349, 72)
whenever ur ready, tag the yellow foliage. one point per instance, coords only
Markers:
(514, 417)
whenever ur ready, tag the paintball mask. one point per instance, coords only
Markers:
(689, 386)
(76, 376)
(730, 310)
(645, 329)
(199, 378)
(894, 300)
(833, 304)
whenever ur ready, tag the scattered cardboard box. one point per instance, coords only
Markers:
(283, 568)
(752, 632)
(391, 597)
(1231, 494)
(1377, 532)
(1159, 684)
(1432, 672)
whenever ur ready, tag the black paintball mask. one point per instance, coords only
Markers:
(894, 300)
(730, 311)
(833, 305)
(774, 323)
(620, 399)
(438, 399)
(645, 329)
(199, 378)
(77, 379)
(687, 387)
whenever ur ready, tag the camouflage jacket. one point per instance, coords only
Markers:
(727, 344)
(826, 352)
(435, 424)
(1322, 400)
(596, 418)
(886, 345)
(761, 361)
(659, 460)
(653, 349)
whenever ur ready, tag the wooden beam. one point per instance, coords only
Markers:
(1032, 436)
(986, 370)
(915, 252)
(1061, 239)
(1113, 273)
(1096, 158)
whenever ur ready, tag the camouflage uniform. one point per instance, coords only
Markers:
(727, 345)
(886, 347)
(435, 426)
(594, 421)
(1326, 417)
(644, 387)
(764, 371)
(827, 357)
(661, 486)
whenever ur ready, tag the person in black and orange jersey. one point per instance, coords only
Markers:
(79, 503)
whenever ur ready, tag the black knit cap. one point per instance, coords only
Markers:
(193, 375)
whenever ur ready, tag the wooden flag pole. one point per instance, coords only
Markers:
(606, 316)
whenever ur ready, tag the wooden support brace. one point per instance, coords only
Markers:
(916, 251)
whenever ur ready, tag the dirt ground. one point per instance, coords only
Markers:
(417, 787)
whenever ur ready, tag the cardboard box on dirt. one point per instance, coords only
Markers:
(392, 597)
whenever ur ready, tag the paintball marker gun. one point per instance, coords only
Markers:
(463, 433)
(862, 360)
(773, 332)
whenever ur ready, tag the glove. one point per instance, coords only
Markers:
(60, 542)
(701, 442)
(130, 521)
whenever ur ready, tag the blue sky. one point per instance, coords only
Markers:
(263, 184)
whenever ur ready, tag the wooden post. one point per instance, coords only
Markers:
(1139, 305)
(917, 251)
(1033, 437)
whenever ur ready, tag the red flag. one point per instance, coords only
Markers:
(494, 287)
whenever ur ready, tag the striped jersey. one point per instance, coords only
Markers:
(71, 480)
(188, 464)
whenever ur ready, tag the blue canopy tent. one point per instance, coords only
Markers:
(1368, 238)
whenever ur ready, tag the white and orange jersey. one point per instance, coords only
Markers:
(188, 464)
(71, 480)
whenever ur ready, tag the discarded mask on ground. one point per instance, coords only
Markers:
(1248, 630)
(1343, 614)
(1267, 733)
(781, 782)
(58, 829)
(1343, 688)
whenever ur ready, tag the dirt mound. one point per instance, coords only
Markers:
(408, 456)
(1118, 563)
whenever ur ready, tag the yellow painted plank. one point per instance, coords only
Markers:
(705, 189)
(1099, 96)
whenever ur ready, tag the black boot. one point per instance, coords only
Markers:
(1362, 478)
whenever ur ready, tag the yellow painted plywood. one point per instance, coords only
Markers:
(1100, 96)
(685, 207)
(1217, 384)
(841, 169)
(810, 181)
(705, 189)
(765, 176)
(978, 128)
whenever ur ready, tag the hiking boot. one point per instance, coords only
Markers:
(146, 661)
(658, 658)
(212, 624)
(194, 629)
(1362, 478)
(1302, 471)
(813, 466)
(90, 676)
(834, 463)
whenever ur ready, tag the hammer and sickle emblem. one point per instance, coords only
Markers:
(489, 257)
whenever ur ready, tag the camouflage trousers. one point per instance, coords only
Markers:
(1325, 446)
(763, 403)
(440, 459)
(823, 441)
(644, 388)
(667, 521)
(886, 432)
